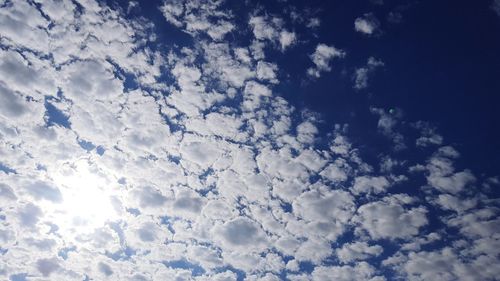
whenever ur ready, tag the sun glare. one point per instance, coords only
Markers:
(87, 197)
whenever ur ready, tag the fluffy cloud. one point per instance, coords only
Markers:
(196, 17)
(358, 251)
(367, 24)
(366, 184)
(240, 234)
(441, 174)
(271, 29)
(322, 56)
(391, 220)
(362, 271)
(446, 265)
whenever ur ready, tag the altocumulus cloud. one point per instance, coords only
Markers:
(126, 158)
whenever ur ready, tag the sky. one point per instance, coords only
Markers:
(249, 140)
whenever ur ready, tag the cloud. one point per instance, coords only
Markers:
(322, 57)
(365, 184)
(149, 197)
(287, 39)
(105, 269)
(362, 74)
(268, 28)
(441, 173)
(196, 18)
(387, 123)
(368, 24)
(47, 266)
(361, 271)
(495, 6)
(7, 192)
(43, 190)
(12, 105)
(29, 215)
(429, 135)
(358, 251)
(450, 202)
(313, 250)
(390, 220)
(447, 265)
(240, 234)
(267, 71)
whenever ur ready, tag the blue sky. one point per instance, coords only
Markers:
(249, 140)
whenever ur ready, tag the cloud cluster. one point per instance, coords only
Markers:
(124, 158)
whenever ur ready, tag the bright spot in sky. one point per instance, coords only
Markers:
(88, 200)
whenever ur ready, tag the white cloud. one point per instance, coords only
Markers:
(271, 29)
(23, 25)
(231, 71)
(267, 71)
(390, 220)
(361, 75)
(428, 135)
(336, 171)
(314, 23)
(306, 132)
(365, 184)
(322, 57)
(148, 197)
(358, 251)
(327, 212)
(202, 153)
(287, 39)
(29, 215)
(361, 271)
(43, 190)
(12, 104)
(313, 250)
(47, 266)
(441, 173)
(446, 264)
(240, 234)
(367, 24)
(195, 17)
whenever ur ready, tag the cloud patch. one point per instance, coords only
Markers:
(367, 24)
(322, 57)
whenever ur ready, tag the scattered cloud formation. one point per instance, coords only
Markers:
(129, 158)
